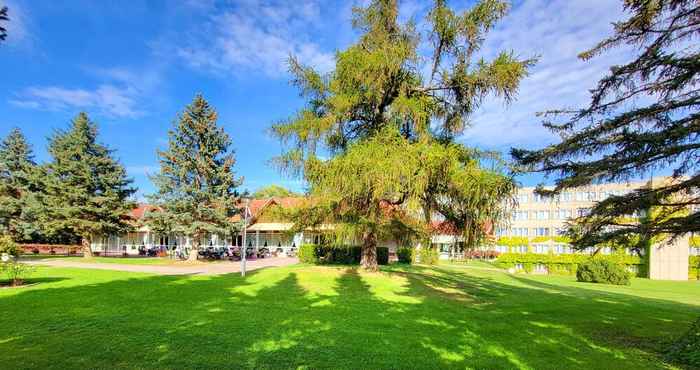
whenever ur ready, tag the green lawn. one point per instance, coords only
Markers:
(328, 317)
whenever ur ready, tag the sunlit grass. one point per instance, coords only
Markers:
(338, 317)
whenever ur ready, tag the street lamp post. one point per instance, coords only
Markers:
(244, 248)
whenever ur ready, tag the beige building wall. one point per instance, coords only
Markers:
(669, 261)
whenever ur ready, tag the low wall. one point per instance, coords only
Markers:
(50, 249)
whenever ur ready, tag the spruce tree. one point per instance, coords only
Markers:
(88, 190)
(196, 186)
(377, 86)
(20, 207)
(643, 117)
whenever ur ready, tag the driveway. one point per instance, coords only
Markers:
(215, 268)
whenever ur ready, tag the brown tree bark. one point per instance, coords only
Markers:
(368, 260)
(194, 251)
(87, 251)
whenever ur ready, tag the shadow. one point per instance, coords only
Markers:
(331, 317)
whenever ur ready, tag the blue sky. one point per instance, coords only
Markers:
(132, 68)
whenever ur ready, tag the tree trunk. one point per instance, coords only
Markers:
(368, 260)
(194, 251)
(87, 251)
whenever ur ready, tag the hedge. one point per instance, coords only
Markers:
(565, 263)
(694, 268)
(338, 254)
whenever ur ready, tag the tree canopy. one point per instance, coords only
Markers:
(643, 116)
(196, 186)
(3, 19)
(87, 190)
(377, 89)
(274, 190)
(20, 206)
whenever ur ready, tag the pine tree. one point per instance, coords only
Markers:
(196, 184)
(643, 116)
(19, 189)
(377, 86)
(87, 189)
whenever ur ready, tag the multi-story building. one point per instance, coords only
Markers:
(537, 216)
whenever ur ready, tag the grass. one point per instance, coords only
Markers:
(336, 317)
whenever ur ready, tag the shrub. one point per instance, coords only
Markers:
(428, 256)
(405, 254)
(16, 272)
(338, 254)
(8, 246)
(306, 253)
(597, 270)
(686, 350)
(383, 255)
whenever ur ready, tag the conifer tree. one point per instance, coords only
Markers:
(377, 85)
(196, 186)
(19, 189)
(644, 116)
(87, 189)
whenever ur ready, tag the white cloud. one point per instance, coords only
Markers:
(107, 99)
(257, 36)
(556, 30)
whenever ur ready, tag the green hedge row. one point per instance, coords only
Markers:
(694, 268)
(338, 254)
(566, 264)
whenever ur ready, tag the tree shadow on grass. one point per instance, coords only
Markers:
(326, 318)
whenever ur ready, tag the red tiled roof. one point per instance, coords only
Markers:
(257, 205)
(140, 211)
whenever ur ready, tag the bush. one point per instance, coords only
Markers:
(383, 255)
(428, 256)
(16, 272)
(567, 263)
(597, 270)
(306, 253)
(339, 254)
(686, 350)
(8, 246)
(405, 254)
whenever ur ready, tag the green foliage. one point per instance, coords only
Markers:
(428, 256)
(686, 350)
(694, 267)
(196, 186)
(597, 270)
(338, 254)
(642, 117)
(376, 93)
(8, 246)
(87, 189)
(21, 208)
(272, 191)
(307, 253)
(16, 272)
(566, 264)
(695, 241)
(405, 254)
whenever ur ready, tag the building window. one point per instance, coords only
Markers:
(522, 198)
(542, 231)
(542, 215)
(582, 212)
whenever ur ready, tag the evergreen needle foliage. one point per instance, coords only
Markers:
(390, 130)
(3, 18)
(87, 190)
(643, 116)
(196, 185)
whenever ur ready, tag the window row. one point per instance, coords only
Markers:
(578, 196)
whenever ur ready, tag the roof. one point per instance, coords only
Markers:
(256, 206)
(139, 212)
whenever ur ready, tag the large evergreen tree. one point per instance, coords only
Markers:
(644, 116)
(20, 207)
(377, 85)
(87, 189)
(196, 184)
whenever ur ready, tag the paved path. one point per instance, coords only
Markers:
(215, 268)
